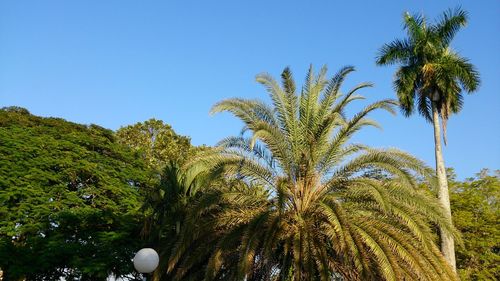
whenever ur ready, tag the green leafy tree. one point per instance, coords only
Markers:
(302, 204)
(69, 199)
(431, 78)
(156, 141)
(165, 205)
(476, 213)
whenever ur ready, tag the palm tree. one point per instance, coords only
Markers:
(166, 207)
(431, 78)
(301, 202)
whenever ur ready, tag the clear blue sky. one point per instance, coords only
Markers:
(114, 63)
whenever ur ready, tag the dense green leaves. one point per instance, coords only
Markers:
(476, 213)
(69, 199)
(165, 205)
(166, 208)
(156, 142)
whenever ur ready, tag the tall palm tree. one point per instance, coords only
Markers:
(301, 202)
(431, 78)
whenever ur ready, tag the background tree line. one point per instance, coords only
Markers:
(77, 201)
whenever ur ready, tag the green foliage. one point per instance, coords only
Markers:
(167, 207)
(302, 203)
(430, 71)
(156, 141)
(69, 199)
(16, 109)
(476, 213)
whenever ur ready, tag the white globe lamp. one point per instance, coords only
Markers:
(146, 260)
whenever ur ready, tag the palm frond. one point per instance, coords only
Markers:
(397, 51)
(448, 25)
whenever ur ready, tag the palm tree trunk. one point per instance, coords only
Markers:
(447, 242)
(177, 227)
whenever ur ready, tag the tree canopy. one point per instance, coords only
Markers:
(476, 213)
(70, 196)
(430, 70)
(156, 142)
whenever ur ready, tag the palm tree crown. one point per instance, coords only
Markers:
(307, 206)
(430, 71)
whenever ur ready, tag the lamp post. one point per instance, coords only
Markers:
(146, 261)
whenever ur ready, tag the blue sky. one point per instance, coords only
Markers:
(114, 63)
